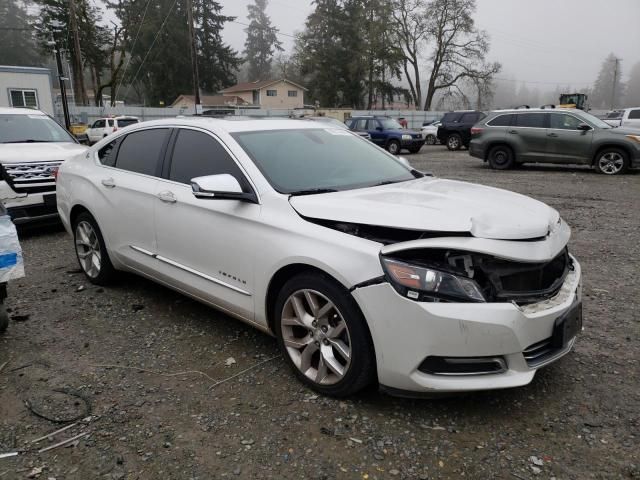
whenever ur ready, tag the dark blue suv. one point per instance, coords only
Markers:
(387, 133)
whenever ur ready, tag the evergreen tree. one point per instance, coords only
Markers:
(262, 42)
(632, 99)
(608, 93)
(17, 44)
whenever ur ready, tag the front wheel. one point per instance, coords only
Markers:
(323, 335)
(91, 250)
(612, 161)
(393, 147)
(430, 140)
(454, 142)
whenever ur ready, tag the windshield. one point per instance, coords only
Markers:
(390, 124)
(326, 159)
(594, 121)
(31, 128)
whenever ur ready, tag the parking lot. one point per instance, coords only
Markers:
(157, 382)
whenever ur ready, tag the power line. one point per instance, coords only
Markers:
(150, 47)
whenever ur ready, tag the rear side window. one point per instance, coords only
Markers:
(125, 122)
(110, 123)
(372, 124)
(471, 117)
(139, 152)
(197, 154)
(500, 121)
(107, 154)
(634, 114)
(451, 117)
(531, 120)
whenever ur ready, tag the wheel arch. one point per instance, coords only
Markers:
(599, 148)
(499, 143)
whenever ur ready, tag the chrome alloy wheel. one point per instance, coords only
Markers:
(316, 336)
(611, 163)
(88, 249)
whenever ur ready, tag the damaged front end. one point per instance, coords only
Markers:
(436, 275)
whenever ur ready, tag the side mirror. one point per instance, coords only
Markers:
(220, 187)
(584, 127)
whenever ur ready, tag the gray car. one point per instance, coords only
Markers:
(506, 138)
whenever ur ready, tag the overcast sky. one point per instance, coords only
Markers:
(546, 41)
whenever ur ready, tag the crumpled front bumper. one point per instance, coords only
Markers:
(405, 332)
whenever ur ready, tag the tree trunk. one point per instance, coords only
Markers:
(431, 90)
(78, 78)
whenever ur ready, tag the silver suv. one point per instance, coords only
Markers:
(506, 138)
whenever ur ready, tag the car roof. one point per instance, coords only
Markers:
(536, 110)
(20, 111)
(231, 125)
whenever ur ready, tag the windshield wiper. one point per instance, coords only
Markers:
(312, 191)
(28, 140)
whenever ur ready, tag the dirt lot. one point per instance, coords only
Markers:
(161, 415)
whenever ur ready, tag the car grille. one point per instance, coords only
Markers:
(32, 177)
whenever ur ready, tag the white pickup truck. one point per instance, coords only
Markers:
(32, 147)
(629, 117)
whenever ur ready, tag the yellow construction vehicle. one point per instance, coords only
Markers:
(573, 100)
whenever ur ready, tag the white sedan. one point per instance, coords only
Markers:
(364, 269)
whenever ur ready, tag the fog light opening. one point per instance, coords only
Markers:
(453, 366)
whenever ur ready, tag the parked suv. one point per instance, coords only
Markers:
(32, 147)
(509, 137)
(387, 133)
(628, 117)
(106, 126)
(455, 128)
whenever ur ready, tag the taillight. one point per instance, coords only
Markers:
(476, 130)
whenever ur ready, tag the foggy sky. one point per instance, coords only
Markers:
(542, 42)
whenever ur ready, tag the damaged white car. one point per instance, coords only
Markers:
(364, 269)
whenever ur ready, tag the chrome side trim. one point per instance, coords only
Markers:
(168, 261)
(142, 250)
(202, 275)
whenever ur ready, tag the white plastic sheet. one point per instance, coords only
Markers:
(11, 264)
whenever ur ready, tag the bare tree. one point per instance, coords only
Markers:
(411, 31)
(459, 47)
(116, 62)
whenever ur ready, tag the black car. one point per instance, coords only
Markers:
(455, 130)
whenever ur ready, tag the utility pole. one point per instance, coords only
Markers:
(61, 79)
(615, 82)
(78, 80)
(194, 58)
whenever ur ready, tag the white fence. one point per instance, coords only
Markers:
(87, 115)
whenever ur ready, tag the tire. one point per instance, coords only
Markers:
(4, 318)
(430, 140)
(454, 142)
(393, 147)
(338, 333)
(501, 157)
(91, 250)
(612, 161)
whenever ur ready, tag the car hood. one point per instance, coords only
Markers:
(432, 204)
(38, 152)
(621, 130)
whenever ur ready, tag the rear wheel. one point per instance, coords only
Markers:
(323, 335)
(393, 147)
(454, 142)
(430, 140)
(612, 161)
(501, 157)
(91, 250)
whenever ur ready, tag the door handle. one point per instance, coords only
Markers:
(108, 182)
(552, 135)
(167, 197)
(515, 132)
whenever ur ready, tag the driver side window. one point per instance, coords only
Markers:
(562, 121)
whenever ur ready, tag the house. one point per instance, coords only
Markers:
(209, 101)
(29, 87)
(280, 93)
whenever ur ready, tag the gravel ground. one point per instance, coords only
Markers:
(160, 414)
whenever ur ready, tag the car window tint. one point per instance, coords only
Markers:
(532, 120)
(107, 154)
(110, 123)
(501, 121)
(125, 122)
(359, 124)
(634, 114)
(563, 121)
(197, 154)
(140, 151)
(372, 124)
(98, 124)
(469, 118)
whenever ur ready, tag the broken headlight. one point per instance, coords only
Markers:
(428, 284)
